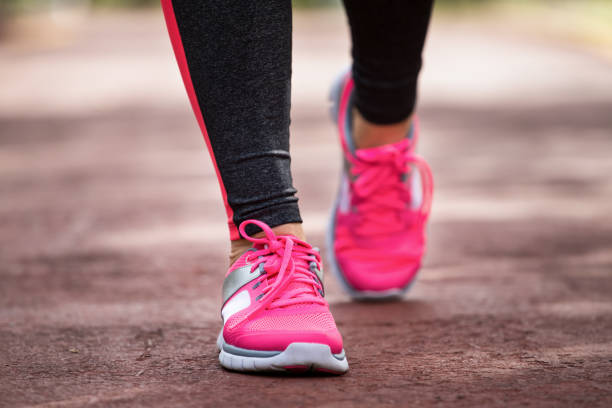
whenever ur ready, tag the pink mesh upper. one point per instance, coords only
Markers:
(314, 321)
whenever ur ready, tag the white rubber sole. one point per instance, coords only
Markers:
(296, 358)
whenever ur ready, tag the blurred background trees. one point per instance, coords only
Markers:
(586, 21)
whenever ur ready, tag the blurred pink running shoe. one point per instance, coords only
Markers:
(376, 236)
(274, 315)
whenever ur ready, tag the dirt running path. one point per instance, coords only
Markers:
(112, 236)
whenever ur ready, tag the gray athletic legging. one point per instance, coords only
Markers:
(235, 59)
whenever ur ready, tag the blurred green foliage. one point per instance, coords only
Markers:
(585, 20)
(125, 3)
(26, 5)
(21, 5)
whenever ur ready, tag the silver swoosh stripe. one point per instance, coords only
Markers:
(237, 279)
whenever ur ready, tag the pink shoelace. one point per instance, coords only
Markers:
(287, 263)
(381, 193)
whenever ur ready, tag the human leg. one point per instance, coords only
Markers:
(235, 59)
(377, 231)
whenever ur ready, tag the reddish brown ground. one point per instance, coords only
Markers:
(112, 243)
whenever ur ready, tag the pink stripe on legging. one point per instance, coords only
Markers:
(179, 52)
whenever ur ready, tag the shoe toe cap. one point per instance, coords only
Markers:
(377, 275)
(276, 332)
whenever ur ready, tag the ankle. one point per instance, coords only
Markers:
(367, 134)
(237, 248)
(240, 246)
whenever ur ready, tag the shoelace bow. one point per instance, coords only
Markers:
(284, 262)
(380, 192)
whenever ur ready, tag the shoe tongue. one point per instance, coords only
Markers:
(373, 158)
(299, 263)
(294, 284)
(384, 150)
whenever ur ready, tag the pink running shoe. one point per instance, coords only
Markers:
(274, 315)
(376, 237)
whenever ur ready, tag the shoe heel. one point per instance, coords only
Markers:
(335, 93)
